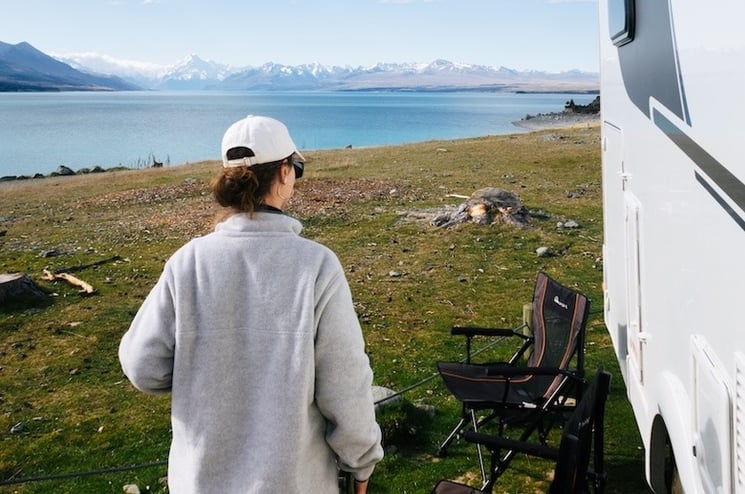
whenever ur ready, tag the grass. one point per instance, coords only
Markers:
(59, 373)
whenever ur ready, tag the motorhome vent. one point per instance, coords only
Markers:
(712, 414)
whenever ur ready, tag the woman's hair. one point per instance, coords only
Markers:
(243, 188)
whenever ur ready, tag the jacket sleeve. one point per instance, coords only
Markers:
(344, 382)
(147, 348)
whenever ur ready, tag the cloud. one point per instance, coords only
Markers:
(106, 64)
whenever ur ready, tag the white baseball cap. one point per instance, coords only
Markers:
(267, 138)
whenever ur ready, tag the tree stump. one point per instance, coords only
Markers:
(17, 289)
(486, 206)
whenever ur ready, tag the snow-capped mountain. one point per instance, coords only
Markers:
(190, 73)
(439, 75)
(194, 73)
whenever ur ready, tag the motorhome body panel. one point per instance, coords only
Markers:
(674, 221)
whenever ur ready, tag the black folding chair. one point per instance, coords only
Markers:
(582, 440)
(533, 395)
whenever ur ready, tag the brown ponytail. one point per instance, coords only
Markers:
(243, 188)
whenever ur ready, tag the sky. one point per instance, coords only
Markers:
(548, 35)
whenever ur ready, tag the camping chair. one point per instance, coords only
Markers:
(582, 438)
(534, 395)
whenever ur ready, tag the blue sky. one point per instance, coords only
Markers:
(551, 35)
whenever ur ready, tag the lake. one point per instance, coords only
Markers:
(41, 131)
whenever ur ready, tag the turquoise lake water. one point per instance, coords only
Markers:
(41, 131)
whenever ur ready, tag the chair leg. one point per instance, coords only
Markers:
(488, 486)
(442, 450)
(475, 425)
(462, 424)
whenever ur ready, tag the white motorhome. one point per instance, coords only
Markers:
(673, 109)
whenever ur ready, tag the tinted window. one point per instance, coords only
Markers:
(621, 21)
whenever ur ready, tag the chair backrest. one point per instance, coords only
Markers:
(558, 325)
(583, 436)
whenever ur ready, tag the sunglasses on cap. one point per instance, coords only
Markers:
(299, 166)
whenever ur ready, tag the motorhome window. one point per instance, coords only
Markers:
(621, 21)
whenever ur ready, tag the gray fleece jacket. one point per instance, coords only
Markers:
(252, 330)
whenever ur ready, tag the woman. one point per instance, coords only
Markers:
(253, 332)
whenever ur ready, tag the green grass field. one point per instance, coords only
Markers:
(71, 410)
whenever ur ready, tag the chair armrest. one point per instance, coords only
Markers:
(502, 443)
(509, 370)
(471, 331)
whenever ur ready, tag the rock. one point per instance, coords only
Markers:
(543, 252)
(19, 428)
(571, 224)
(18, 290)
(131, 489)
(429, 410)
(384, 397)
(64, 171)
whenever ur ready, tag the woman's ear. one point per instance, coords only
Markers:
(284, 171)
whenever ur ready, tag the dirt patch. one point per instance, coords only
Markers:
(321, 197)
(187, 209)
(148, 195)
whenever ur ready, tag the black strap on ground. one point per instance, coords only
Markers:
(62, 476)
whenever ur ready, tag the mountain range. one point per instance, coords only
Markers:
(24, 68)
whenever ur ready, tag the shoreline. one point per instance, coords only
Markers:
(546, 121)
(542, 121)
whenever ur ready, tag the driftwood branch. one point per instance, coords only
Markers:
(85, 288)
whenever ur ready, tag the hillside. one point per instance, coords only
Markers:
(24, 68)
